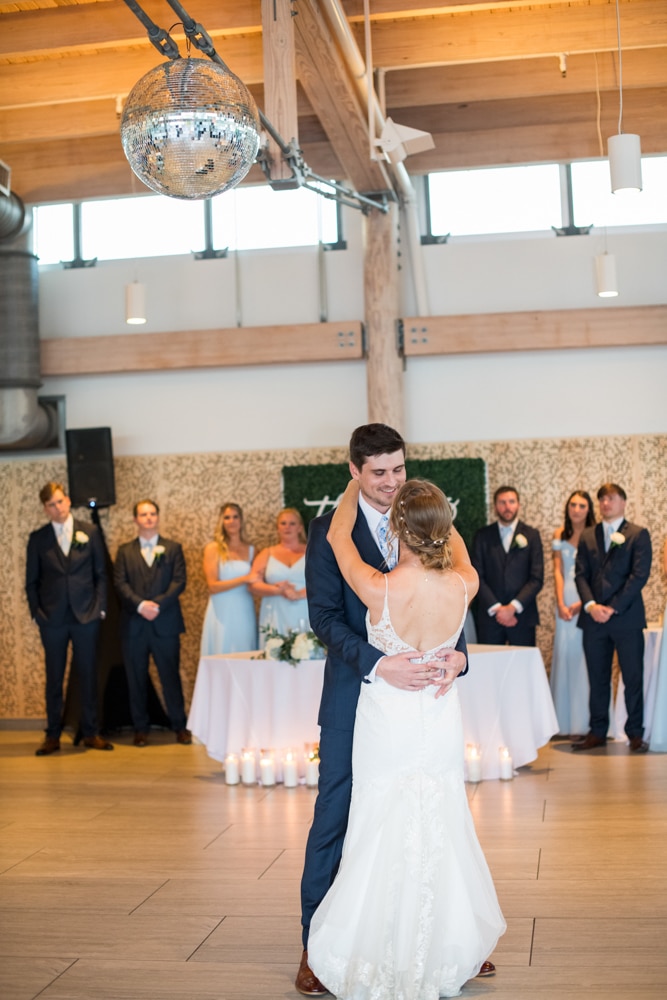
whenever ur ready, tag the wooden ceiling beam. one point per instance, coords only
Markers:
(72, 169)
(111, 23)
(515, 33)
(107, 72)
(326, 80)
(508, 80)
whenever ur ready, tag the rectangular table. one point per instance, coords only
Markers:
(241, 702)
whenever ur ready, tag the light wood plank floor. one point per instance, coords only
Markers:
(138, 875)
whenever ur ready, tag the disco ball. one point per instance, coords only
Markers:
(190, 129)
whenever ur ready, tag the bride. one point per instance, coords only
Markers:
(412, 913)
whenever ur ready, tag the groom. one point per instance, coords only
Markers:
(337, 616)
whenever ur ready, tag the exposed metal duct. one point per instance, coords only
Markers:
(24, 421)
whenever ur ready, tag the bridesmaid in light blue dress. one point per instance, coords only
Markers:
(569, 676)
(280, 572)
(230, 623)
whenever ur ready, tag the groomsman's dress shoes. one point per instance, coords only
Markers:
(50, 745)
(184, 736)
(97, 743)
(307, 982)
(637, 745)
(589, 742)
(487, 969)
(141, 739)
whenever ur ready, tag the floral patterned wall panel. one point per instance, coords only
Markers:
(191, 488)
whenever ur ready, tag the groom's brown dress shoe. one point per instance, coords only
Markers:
(97, 743)
(487, 969)
(50, 745)
(637, 745)
(307, 982)
(589, 742)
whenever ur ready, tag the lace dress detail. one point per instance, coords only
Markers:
(413, 912)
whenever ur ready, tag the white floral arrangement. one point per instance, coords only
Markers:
(616, 539)
(80, 539)
(158, 552)
(519, 541)
(293, 647)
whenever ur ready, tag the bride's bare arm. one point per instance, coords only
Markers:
(362, 578)
(461, 563)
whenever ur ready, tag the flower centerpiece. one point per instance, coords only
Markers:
(293, 647)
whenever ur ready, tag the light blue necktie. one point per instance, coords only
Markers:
(383, 540)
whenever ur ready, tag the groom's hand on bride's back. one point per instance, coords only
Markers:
(401, 671)
(453, 661)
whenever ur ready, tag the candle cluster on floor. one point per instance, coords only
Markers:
(269, 767)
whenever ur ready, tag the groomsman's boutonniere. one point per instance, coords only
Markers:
(519, 541)
(158, 552)
(80, 539)
(616, 539)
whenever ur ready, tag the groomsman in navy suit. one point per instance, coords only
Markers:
(509, 560)
(149, 575)
(337, 616)
(613, 564)
(66, 587)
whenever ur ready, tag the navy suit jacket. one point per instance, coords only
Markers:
(338, 619)
(506, 576)
(163, 582)
(614, 578)
(56, 582)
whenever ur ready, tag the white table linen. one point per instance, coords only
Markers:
(655, 693)
(243, 702)
(506, 702)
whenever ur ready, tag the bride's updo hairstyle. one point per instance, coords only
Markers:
(421, 518)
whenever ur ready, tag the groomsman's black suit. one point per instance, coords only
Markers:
(614, 579)
(163, 582)
(338, 618)
(507, 576)
(67, 596)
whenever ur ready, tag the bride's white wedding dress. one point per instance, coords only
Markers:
(413, 912)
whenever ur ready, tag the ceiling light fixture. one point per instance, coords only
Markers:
(605, 273)
(135, 303)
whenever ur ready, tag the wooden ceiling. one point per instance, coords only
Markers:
(484, 78)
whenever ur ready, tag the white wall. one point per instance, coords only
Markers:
(466, 397)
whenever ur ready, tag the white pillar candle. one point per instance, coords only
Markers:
(290, 771)
(506, 770)
(312, 772)
(474, 763)
(267, 771)
(248, 769)
(231, 769)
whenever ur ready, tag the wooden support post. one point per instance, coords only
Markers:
(384, 370)
(280, 105)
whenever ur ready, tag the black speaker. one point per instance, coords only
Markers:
(90, 467)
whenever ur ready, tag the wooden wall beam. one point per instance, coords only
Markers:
(258, 345)
(615, 326)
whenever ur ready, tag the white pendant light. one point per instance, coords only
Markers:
(625, 162)
(135, 303)
(605, 273)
